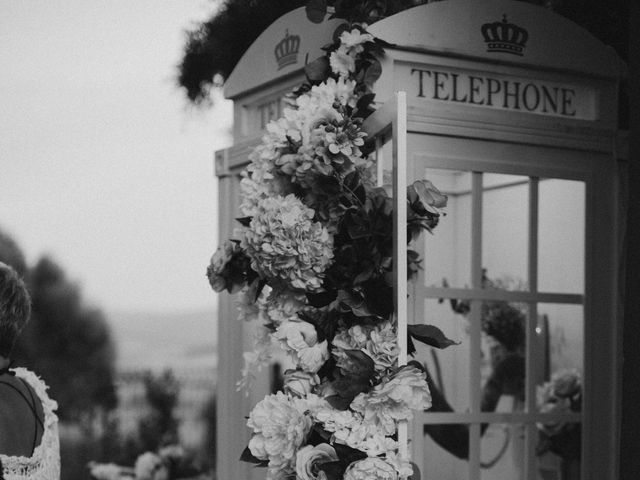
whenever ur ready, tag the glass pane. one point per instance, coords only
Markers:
(562, 329)
(558, 454)
(561, 236)
(444, 445)
(503, 365)
(447, 253)
(449, 368)
(505, 230)
(502, 452)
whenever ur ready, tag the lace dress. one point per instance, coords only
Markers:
(44, 464)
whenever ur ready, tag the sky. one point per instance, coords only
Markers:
(103, 163)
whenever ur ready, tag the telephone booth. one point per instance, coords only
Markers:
(511, 111)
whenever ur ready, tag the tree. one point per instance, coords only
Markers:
(11, 254)
(68, 344)
(213, 49)
(160, 427)
(65, 342)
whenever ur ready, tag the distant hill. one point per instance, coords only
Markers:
(155, 341)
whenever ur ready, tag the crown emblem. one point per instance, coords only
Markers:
(505, 37)
(286, 50)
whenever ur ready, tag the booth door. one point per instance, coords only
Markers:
(521, 271)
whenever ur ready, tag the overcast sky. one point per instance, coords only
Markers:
(103, 165)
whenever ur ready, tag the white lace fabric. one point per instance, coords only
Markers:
(44, 464)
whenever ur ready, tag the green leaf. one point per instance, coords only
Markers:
(347, 454)
(332, 470)
(416, 472)
(316, 10)
(321, 299)
(248, 457)
(411, 348)
(373, 73)
(347, 388)
(318, 70)
(343, 27)
(244, 221)
(430, 335)
(360, 364)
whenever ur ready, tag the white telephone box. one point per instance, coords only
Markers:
(511, 111)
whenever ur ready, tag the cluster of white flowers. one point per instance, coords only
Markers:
(343, 60)
(284, 243)
(281, 424)
(380, 342)
(284, 305)
(351, 429)
(300, 340)
(394, 399)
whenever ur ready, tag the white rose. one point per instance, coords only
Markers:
(281, 426)
(309, 458)
(300, 339)
(300, 383)
(372, 468)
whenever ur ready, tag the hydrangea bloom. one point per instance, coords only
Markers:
(350, 428)
(379, 341)
(280, 425)
(300, 383)
(284, 243)
(283, 306)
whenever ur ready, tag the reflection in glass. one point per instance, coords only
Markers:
(505, 227)
(449, 368)
(562, 326)
(502, 452)
(439, 462)
(561, 459)
(561, 232)
(447, 255)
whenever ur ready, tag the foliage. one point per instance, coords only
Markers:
(160, 426)
(171, 462)
(68, 344)
(208, 453)
(214, 47)
(11, 254)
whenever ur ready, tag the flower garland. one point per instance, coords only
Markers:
(312, 263)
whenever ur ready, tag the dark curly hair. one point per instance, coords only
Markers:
(15, 308)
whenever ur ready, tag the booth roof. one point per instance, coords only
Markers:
(449, 28)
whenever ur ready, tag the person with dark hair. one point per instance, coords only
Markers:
(29, 443)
